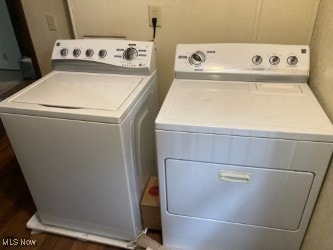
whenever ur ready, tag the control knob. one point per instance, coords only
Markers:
(102, 53)
(89, 53)
(197, 58)
(130, 53)
(76, 52)
(274, 60)
(64, 52)
(257, 60)
(292, 60)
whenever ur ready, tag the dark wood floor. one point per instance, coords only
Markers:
(16, 208)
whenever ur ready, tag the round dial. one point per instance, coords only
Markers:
(274, 60)
(292, 60)
(89, 53)
(102, 53)
(130, 53)
(64, 52)
(76, 52)
(257, 59)
(197, 58)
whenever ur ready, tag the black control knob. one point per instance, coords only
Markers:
(197, 58)
(130, 53)
(292, 60)
(76, 52)
(257, 60)
(89, 53)
(274, 60)
(64, 52)
(102, 53)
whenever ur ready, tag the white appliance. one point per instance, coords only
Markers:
(243, 147)
(84, 136)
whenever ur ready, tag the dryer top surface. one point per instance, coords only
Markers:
(277, 110)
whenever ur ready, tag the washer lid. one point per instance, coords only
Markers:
(256, 109)
(81, 91)
(81, 96)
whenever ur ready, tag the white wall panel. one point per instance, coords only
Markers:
(196, 21)
(286, 21)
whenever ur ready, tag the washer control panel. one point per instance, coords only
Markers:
(120, 53)
(235, 59)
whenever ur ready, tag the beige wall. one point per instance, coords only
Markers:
(43, 39)
(321, 78)
(320, 231)
(196, 21)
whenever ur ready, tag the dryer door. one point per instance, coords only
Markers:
(237, 194)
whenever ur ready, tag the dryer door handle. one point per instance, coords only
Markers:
(230, 176)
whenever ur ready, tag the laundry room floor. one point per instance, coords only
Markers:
(17, 207)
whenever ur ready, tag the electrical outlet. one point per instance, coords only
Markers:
(155, 11)
(50, 18)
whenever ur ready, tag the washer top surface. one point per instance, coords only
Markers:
(78, 95)
(81, 91)
(260, 109)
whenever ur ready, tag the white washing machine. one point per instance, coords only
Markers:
(243, 147)
(84, 137)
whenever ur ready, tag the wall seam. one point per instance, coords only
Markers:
(257, 21)
(314, 22)
(70, 10)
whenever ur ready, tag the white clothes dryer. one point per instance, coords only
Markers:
(243, 147)
(84, 137)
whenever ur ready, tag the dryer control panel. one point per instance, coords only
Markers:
(106, 55)
(248, 62)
